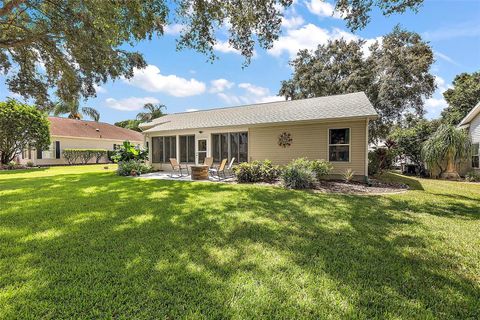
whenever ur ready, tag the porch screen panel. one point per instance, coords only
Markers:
(224, 145)
(243, 147)
(216, 147)
(157, 149)
(191, 149)
(187, 148)
(170, 148)
(234, 146)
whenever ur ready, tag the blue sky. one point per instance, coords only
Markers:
(185, 80)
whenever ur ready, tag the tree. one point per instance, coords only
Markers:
(71, 45)
(464, 95)
(72, 108)
(21, 126)
(409, 139)
(129, 124)
(395, 76)
(153, 111)
(446, 149)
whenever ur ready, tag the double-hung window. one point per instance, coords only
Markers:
(475, 155)
(339, 145)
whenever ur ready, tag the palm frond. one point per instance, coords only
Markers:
(91, 112)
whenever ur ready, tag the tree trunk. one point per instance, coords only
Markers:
(451, 172)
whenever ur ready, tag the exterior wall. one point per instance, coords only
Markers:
(309, 140)
(48, 156)
(474, 131)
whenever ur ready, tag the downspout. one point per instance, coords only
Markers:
(366, 150)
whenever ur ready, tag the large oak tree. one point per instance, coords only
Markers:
(395, 75)
(464, 95)
(71, 45)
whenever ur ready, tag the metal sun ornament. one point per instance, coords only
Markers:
(285, 139)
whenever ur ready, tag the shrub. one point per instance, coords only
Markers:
(298, 174)
(128, 151)
(256, 171)
(30, 164)
(348, 175)
(82, 155)
(125, 168)
(472, 176)
(321, 168)
(11, 165)
(380, 159)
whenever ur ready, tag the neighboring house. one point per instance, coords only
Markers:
(472, 123)
(334, 128)
(79, 134)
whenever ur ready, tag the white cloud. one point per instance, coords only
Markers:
(220, 85)
(99, 89)
(437, 103)
(150, 79)
(191, 110)
(130, 104)
(446, 58)
(225, 47)
(253, 89)
(252, 94)
(307, 37)
(292, 22)
(442, 85)
(173, 29)
(322, 8)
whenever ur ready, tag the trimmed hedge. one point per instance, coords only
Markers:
(83, 156)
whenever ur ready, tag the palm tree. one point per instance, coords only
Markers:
(153, 111)
(447, 148)
(72, 108)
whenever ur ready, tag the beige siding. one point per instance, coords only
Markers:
(73, 143)
(311, 141)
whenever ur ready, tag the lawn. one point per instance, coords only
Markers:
(83, 243)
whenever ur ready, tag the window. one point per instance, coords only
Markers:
(475, 155)
(163, 148)
(114, 146)
(339, 145)
(230, 145)
(187, 149)
(39, 153)
(57, 149)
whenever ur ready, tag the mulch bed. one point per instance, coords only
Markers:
(354, 187)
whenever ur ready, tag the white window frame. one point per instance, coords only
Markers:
(349, 144)
(476, 155)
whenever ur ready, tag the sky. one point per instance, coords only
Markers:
(186, 81)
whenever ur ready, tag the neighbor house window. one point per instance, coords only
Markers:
(187, 149)
(163, 148)
(39, 153)
(475, 155)
(339, 145)
(230, 145)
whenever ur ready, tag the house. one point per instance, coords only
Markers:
(333, 128)
(78, 134)
(472, 123)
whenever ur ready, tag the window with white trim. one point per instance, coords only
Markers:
(339, 145)
(475, 155)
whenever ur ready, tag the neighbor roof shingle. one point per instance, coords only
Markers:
(88, 129)
(340, 106)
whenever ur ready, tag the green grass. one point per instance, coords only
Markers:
(82, 243)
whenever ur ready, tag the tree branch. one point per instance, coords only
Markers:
(9, 6)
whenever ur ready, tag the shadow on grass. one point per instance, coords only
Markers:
(412, 182)
(97, 245)
(19, 171)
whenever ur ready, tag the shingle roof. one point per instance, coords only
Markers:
(88, 129)
(350, 105)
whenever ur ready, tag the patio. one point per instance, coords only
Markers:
(170, 175)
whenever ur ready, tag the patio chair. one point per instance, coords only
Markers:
(219, 170)
(176, 167)
(229, 168)
(208, 161)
